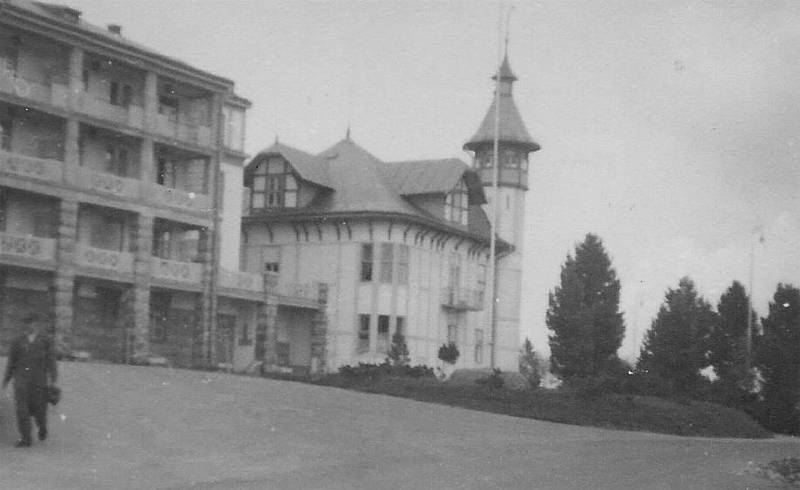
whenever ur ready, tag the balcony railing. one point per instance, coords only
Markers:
(102, 182)
(176, 198)
(37, 90)
(132, 115)
(110, 260)
(245, 281)
(173, 270)
(197, 134)
(28, 247)
(462, 299)
(33, 167)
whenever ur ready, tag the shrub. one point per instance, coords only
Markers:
(449, 353)
(494, 380)
(372, 371)
(398, 352)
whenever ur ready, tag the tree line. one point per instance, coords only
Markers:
(688, 340)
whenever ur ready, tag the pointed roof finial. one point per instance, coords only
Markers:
(276, 139)
(347, 136)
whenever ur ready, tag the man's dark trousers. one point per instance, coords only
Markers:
(31, 400)
(30, 364)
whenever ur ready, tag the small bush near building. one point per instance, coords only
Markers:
(371, 371)
(449, 353)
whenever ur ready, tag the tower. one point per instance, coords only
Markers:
(514, 145)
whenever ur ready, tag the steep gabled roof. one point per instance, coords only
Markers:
(512, 128)
(433, 176)
(360, 186)
(311, 168)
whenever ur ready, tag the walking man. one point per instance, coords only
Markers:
(32, 364)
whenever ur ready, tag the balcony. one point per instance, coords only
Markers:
(36, 90)
(303, 295)
(27, 250)
(196, 134)
(173, 271)
(131, 115)
(32, 167)
(103, 183)
(462, 299)
(176, 198)
(106, 260)
(241, 284)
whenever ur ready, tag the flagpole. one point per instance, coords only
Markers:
(748, 341)
(494, 207)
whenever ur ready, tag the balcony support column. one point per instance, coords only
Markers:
(71, 137)
(147, 163)
(65, 275)
(138, 323)
(319, 343)
(75, 77)
(208, 299)
(150, 101)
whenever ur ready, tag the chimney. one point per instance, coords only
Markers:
(115, 29)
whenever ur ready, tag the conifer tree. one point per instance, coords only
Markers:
(676, 346)
(583, 316)
(728, 343)
(398, 351)
(778, 361)
(529, 364)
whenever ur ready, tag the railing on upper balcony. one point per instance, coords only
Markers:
(33, 167)
(175, 270)
(462, 298)
(48, 92)
(130, 115)
(168, 125)
(109, 260)
(238, 280)
(28, 247)
(103, 182)
(176, 198)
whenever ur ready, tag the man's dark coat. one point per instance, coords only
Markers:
(29, 365)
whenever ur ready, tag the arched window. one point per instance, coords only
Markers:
(274, 185)
(456, 204)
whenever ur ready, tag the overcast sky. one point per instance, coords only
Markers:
(670, 129)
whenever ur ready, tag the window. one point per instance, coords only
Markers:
(127, 95)
(400, 325)
(159, 317)
(168, 106)
(478, 346)
(244, 334)
(456, 204)
(282, 350)
(366, 262)
(484, 160)
(510, 158)
(274, 185)
(113, 97)
(5, 135)
(117, 160)
(383, 333)
(271, 267)
(363, 333)
(386, 262)
(402, 264)
(167, 173)
(85, 78)
(452, 334)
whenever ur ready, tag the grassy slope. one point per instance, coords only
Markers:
(691, 418)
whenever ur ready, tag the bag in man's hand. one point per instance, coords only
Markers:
(53, 395)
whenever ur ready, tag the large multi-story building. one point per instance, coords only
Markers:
(120, 195)
(400, 246)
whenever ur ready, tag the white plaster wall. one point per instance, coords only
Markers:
(230, 226)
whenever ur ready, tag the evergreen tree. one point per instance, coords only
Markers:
(676, 346)
(778, 360)
(583, 317)
(529, 365)
(728, 343)
(398, 352)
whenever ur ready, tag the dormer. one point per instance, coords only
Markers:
(281, 178)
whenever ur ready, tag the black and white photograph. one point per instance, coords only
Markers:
(406, 244)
